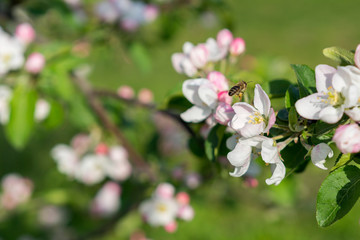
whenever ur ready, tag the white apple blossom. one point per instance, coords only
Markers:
(11, 53)
(357, 56)
(107, 200)
(224, 38)
(216, 52)
(338, 91)
(117, 165)
(66, 159)
(319, 153)
(91, 169)
(16, 190)
(5, 97)
(42, 110)
(251, 121)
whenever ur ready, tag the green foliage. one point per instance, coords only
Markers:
(343, 159)
(294, 155)
(306, 79)
(337, 195)
(140, 56)
(278, 88)
(22, 121)
(56, 115)
(291, 96)
(342, 56)
(213, 142)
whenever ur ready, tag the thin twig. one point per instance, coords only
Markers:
(95, 104)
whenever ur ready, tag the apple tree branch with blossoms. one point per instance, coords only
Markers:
(118, 161)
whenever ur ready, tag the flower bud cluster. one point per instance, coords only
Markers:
(91, 162)
(203, 56)
(129, 14)
(164, 207)
(15, 190)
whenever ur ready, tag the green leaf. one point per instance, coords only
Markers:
(306, 79)
(21, 122)
(293, 119)
(179, 103)
(343, 160)
(339, 55)
(293, 155)
(56, 115)
(291, 96)
(196, 146)
(283, 115)
(213, 141)
(278, 87)
(337, 195)
(140, 56)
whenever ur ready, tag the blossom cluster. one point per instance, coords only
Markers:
(15, 190)
(202, 57)
(164, 207)
(12, 50)
(129, 14)
(90, 162)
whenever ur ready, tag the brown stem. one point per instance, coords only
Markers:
(95, 104)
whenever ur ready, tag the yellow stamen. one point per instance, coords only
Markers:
(161, 207)
(257, 118)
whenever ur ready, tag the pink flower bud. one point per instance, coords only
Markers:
(199, 55)
(151, 13)
(224, 113)
(25, 33)
(237, 47)
(145, 96)
(224, 38)
(126, 92)
(102, 149)
(183, 198)
(176, 60)
(35, 63)
(218, 80)
(107, 200)
(224, 97)
(347, 138)
(165, 190)
(357, 56)
(171, 227)
(186, 213)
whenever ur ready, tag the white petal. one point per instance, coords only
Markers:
(357, 56)
(196, 114)
(351, 96)
(176, 60)
(190, 90)
(341, 79)
(310, 107)
(242, 113)
(324, 74)
(278, 175)
(261, 100)
(269, 152)
(354, 114)
(208, 95)
(231, 142)
(239, 171)
(240, 156)
(319, 153)
(252, 130)
(331, 115)
(187, 47)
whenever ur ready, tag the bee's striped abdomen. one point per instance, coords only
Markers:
(234, 90)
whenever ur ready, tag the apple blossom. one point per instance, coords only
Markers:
(224, 38)
(183, 198)
(216, 52)
(16, 190)
(66, 159)
(357, 56)
(237, 46)
(347, 138)
(319, 153)
(107, 200)
(224, 113)
(117, 165)
(199, 55)
(186, 213)
(35, 63)
(241, 155)
(91, 169)
(165, 190)
(338, 91)
(5, 97)
(25, 33)
(42, 110)
(11, 53)
(171, 227)
(102, 149)
(251, 121)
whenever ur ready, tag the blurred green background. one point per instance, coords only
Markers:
(279, 30)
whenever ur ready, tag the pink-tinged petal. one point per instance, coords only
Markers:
(224, 38)
(278, 169)
(347, 138)
(261, 100)
(251, 130)
(219, 81)
(208, 95)
(239, 171)
(351, 96)
(188, 67)
(357, 56)
(310, 107)
(331, 115)
(232, 141)
(269, 152)
(324, 74)
(224, 113)
(319, 153)
(240, 156)
(176, 60)
(237, 47)
(224, 97)
(187, 47)
(190, 90)
(354, 114)
(271, 121)
(165, 190)
(199, 55)
(171, 227)
(196, 114)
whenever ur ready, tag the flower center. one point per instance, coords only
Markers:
(333, 97)
(161, 207)
(256, 118)
(7, 58)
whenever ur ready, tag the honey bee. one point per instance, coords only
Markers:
(238, 89)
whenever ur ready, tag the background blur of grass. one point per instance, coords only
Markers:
(294, 30)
